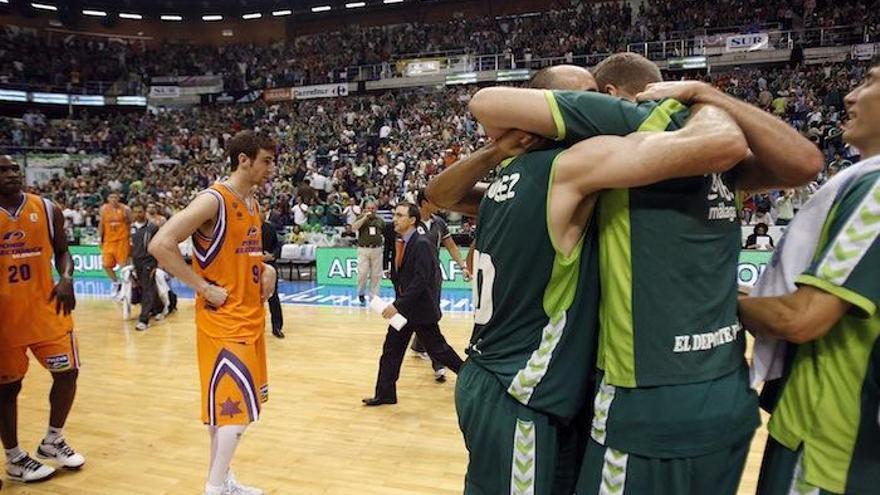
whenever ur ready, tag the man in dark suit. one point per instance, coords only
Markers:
(271, 252)
(416, 276)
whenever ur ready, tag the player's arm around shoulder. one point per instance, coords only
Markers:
(710, 142)
(500, 109)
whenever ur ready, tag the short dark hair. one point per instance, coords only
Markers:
(628, 71)
(412, 210)
(421, 198)
(137, 205)
(249, 143)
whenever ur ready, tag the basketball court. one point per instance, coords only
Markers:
(136, 417)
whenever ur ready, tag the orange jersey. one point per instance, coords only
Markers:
(26, 314)
(114, 225)
(233, 259)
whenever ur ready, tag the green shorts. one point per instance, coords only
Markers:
(781, 472)
(513, 449)
(609, 471)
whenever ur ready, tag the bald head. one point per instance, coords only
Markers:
(564, 77)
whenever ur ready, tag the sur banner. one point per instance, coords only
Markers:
(748, 42)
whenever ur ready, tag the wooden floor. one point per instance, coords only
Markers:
(137, 420)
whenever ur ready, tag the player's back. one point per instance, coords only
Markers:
(114, 225)
(231, 258)
(26, 252)
(536, 308)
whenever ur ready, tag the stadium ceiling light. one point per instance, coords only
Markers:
(322, 8)
(95, 13)
(213, 17)
(279, 13)
(355, 5)
(44, 6)
(168, 17)
(255, 15)
(391, 1)
(136, 17)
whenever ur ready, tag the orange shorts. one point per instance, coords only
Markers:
(115, 253)
(234, 380)
(58, 355)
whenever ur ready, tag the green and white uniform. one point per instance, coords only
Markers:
(531, 354)
(825, 427)
(673, 379)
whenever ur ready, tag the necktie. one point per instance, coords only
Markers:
(398, 253)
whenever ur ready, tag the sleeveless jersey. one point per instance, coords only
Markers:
(114, 225)
(26, 256)
(668, 257)
(233, 259)
(536, 309)
(671, 351)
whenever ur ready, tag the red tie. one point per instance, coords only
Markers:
(398, 253)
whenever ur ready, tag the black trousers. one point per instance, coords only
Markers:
(150, 303)
(275, 307)
(395, 347)
(418, 347)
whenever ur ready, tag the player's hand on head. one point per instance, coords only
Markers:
(214, 295)
(516, 142)
(62, 294)
(683, 91)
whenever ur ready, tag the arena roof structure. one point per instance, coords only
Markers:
(197, 11)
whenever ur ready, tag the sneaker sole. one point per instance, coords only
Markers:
(19, 479)
(43, 455)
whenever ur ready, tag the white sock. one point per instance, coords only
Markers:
(53, 434)
(227, 438)
(14, 454)
(212, 431)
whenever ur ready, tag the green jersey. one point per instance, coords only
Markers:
(831, 398)
(668, 257)
(670, 349)
(536, 308)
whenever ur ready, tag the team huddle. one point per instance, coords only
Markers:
(608, 349)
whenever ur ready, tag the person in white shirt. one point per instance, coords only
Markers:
(300, 213)
(352, 211)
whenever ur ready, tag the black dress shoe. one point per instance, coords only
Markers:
(278, 333)
(375, 401)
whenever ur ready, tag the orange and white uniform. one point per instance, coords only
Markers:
(231, 346)
(115, 236)
(27, 318)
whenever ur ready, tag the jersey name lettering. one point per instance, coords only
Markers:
(503, 189)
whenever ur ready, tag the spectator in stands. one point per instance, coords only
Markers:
(759, 238)
(300, 213)
(785, 207)
(305, 192)
(352, 211)
(762, 216)
(297, 236)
